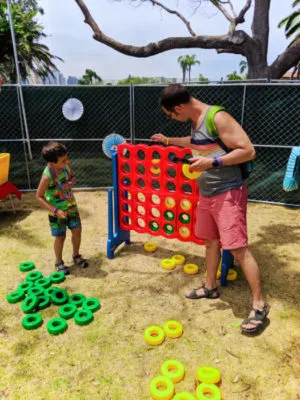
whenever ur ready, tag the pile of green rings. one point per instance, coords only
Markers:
(37, 293)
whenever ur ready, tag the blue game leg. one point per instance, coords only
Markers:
(227, 262)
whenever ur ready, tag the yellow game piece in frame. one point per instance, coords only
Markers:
(190, 174)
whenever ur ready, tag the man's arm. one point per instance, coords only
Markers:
(234, 137)
(178, 141)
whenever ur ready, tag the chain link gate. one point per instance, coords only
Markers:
(268, 112)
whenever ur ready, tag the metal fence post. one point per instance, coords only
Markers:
(132, 125)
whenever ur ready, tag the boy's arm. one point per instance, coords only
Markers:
(40, 193)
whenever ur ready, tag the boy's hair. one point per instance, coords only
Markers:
(174, 95)
(52, 151)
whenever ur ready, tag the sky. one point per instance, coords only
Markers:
(128, 22)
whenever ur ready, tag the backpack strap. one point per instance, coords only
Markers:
(211, 127)
(210, 123)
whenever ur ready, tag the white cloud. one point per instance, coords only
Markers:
(71, 39)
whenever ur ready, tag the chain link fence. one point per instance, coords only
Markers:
(269, 113)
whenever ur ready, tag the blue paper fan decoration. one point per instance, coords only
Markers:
(291, 178)
(72, 109)
(111, 142)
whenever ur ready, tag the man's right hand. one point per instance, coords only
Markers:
(159, 137)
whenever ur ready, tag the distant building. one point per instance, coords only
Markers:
(72, 80)
(54, 78)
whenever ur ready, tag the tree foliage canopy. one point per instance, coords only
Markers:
(32, 54)
(254, 46)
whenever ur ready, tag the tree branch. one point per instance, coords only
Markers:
(187, 23)
(260, 25)
(240, 18)
(228, 41)
(288, 59)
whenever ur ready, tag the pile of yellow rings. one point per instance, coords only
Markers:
(155, 168)
(232, 274)
(184, 396)
(208, 375)
(191, 269)
(173, 329)
(149, 246)
(173, 370)
(206, 391)
(154, 335)
(162, 388)
(188, 173)
(168, 263)
(179, 259)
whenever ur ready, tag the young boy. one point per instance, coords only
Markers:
(55, 194)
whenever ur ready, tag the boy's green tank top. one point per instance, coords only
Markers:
(57, 197)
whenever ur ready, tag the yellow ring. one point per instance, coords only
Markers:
(179, 259)
(162, 388)
(155, 170)
(212, 390)
(173, 329)
(184, 231)
(154, 335)
(191, 269)
(173, 369)
(170, 202)
(208, 375)
(190, 174)
(184, 396)
(168, 263)
(149, 246)
(185, 204)
(232, 274)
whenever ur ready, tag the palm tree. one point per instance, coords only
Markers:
(90, 78)
(32, 54)
(183, 65)
(292, 23)
(191, 61)
(243, 66)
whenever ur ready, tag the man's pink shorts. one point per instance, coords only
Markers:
(224, 217)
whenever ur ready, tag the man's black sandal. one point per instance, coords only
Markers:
(259, 319)
(207, 294)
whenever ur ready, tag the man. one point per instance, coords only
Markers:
(221, 211)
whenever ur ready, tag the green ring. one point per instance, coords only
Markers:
(34, 275)
(167, 216)
(153, 227)
(59, 296)
(83, 317)
(56, 326)
(44, 302)
(184, 221)
(32, 321)
(36, 291)
(92, 304)
(25, 286)
(16, 296)
(67, 311)
(77, 299)
(169, 231)
(30, 304)
(57, 277)
(50, 290)
(43, 282)
(26, 266)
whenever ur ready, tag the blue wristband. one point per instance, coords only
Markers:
(55, 211)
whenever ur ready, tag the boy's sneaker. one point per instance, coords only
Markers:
(62, 268)
(78, 260)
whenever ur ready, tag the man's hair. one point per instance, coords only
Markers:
(174, 95)
(52, 151)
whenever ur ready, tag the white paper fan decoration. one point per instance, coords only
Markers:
(72, 109)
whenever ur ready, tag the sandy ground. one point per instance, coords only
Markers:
(109, 358)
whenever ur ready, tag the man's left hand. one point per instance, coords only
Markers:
(200, 163)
